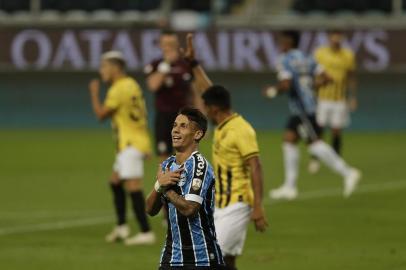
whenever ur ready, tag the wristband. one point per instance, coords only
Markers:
(271, 92)
(164, 67)
(158, 187)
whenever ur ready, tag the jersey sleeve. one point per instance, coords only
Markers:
(112, 100)
(200, 181)
(246, 142)
(351, 61)
(283, 71)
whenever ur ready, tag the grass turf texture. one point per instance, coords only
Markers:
(55, 207)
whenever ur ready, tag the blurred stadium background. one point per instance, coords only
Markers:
(56, 159)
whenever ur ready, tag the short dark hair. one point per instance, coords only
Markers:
(335, 31)
(168, 32)
(293, 35)
(118, 62)
(217, 95)
(195, 116)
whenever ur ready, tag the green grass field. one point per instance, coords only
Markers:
(55, 207)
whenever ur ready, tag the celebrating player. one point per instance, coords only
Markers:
(297, 74)
(125, 105)
(170, 78)
(332, 110)
(237, 167)
(185, 187)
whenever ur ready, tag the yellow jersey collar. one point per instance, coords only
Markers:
(228, 119)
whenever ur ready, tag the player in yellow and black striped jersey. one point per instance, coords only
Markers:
(238, 171)
(338, 63)
(334, 97)
(125, 104)
(235, 142)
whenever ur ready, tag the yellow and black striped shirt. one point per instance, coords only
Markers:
(337, 65)
(234, 142)
(130, 115)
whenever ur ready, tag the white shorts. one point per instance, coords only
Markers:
(129, 164)
(333, 114)
(231, 227)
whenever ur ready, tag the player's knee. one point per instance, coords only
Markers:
(336, 132)
(230, 262)
(114, 179)
(133, 185)
(290, 137)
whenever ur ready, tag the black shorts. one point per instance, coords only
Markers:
(305, 127)
(163, 128)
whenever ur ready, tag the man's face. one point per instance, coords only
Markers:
(184, 133)
(211, 112)
(284, 43)
(169, 45)
(336, 38)
(106, 70)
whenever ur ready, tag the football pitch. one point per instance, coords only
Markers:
(55, 207)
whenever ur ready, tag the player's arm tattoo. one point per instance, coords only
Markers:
(186, 208)
(153, 203)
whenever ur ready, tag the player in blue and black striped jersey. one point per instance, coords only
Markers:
(185, 187)
(298, 76)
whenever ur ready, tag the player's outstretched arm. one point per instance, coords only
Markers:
(258, 213)
(99, 110)
(272, 91)
(186, 208)
(201, 81)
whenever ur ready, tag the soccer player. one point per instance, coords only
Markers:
(237, 166)
(297, 75)
(332, 110)
(170, 79)
(125, 104)
(185, 187)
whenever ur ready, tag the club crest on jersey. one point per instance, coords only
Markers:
(196, 184)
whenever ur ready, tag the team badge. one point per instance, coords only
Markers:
(196, 184)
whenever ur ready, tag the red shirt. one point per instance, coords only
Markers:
(175, 92)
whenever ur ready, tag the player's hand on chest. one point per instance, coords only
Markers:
(180, 187)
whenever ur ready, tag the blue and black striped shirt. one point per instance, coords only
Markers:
(192, 241)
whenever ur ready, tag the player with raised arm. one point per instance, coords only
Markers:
(339, 96)
(170, 78)
(239, 185)
(185, 187)
(125, 104)
(297, 76)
